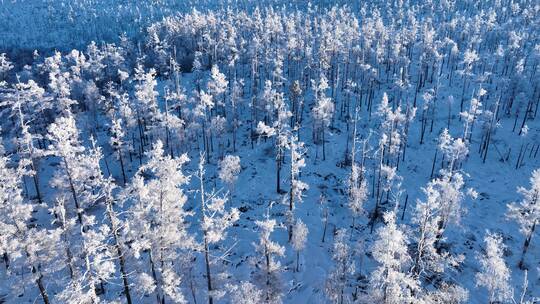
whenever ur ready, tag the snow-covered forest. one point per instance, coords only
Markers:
(270, 152)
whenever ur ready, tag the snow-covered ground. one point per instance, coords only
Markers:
(416, 57)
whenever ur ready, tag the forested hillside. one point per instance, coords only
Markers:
(270, 152)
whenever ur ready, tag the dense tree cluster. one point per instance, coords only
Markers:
(123, 166)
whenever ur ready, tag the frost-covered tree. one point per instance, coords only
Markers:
(428, 216)
(494, 275)
(217, 131)
(146, 96)
(229, 169)
(201, 113)
(268, 274)
(469, 58)
(298, 187)
(323, 206)
(428, 106)
(158, 227)
(5, 66)
(92, 101)
(93, 262)
(23, 247)
(298, 240)
(392, 128)
(215, 220)
(323, 111)
(391, 282)
(389, 183)
(454, 149)
(66, 227)
(527, 212)
(173, 124)
(445, 195)
(297, 103)
(78, 64)
(78, 166)
(389, 144)
(27, 105)
(97, 267)
(344, 267)
(470, 116)
(95, 56)
(358, 194)
(297, 163)
(117, 142)
(104, 188)
(217, 86)
(446, 294)
(279, 128)
(59, 83)
(41, 257)
(357, 183)
(15, 212)
(125, 113)
(246, 293)
(236, 101)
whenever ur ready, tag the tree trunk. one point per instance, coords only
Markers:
(325, 225)
(297, 260)
(42, 290)
(120, 253)
(526, 246)
(323, 146)
(36, 182)
(122, 165)
(291, 204)
(278, 173)
(6, 259)
(433, 165)
(208, 274)
(404, 207)
(73, 192)
(267, 258)
(154, 276)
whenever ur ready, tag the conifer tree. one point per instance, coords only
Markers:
(215, 220)
(158, 226)
(494, 274)
(527, 212)
(246, 293)
(323, 111)
(429, 215)
(21, 246)
(72, 176)
(278, 129)
(267, 274)
(217, 86)
(5, 66)
(298, 187)
(391, 282)
(338, 279)
(229, 170)
(298, 240)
